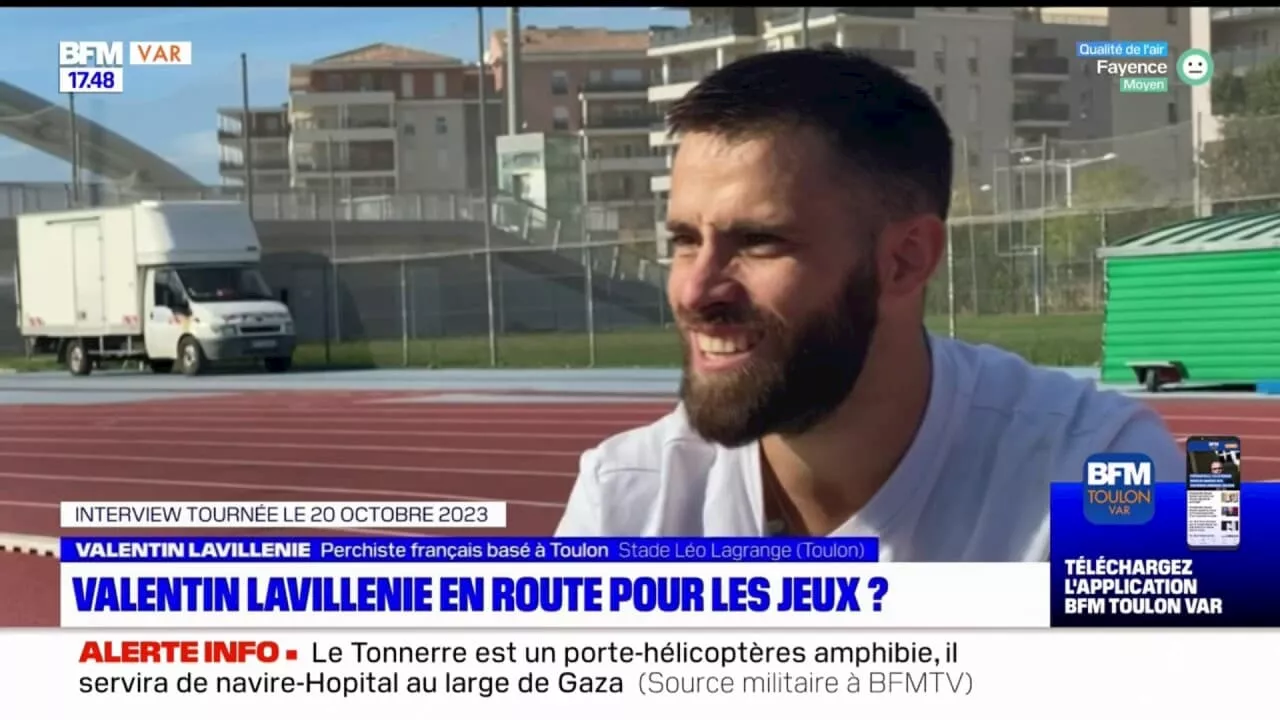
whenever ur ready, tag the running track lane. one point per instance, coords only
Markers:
(356, 446)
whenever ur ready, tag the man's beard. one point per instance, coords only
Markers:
(797, 376)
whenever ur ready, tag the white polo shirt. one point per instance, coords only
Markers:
(972, 487)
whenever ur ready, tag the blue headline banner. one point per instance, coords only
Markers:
(1145, 574)
(455, 549)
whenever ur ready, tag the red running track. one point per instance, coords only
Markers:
(281, 446)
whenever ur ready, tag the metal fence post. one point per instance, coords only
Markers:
(404, 312)
(588, 283)
(951, 284)
(325, 280)
(482, 79)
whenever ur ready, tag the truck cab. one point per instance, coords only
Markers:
(197, 314)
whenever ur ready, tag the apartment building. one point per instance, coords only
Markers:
(714, 38)
(268, 130)
(1007, 80)
(591, 83)
(1244, 37)
(371, 121)
(960, 55)
(386, 118)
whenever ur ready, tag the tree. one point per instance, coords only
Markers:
(1245, 160)
(969, 201)
(1108, 184)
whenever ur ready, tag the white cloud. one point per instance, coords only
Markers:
(13, 150)
(199, 145)
(195, 152)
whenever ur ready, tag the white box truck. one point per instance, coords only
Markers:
(163, 282)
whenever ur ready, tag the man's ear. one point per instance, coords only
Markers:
(908, 254)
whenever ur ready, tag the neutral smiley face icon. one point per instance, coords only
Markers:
(1194, 67)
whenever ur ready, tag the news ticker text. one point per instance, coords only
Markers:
(609, 667)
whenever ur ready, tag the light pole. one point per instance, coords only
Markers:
(1069, 166)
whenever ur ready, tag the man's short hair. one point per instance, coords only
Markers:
(883, 125)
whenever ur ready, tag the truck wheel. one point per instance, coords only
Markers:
(278, 364)
(78, 360)
(191, 358)
(160, 367)
(1152, 380)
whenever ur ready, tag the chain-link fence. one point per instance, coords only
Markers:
(569, 306)
(1027, 223)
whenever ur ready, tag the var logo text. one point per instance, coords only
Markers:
(1119, 489)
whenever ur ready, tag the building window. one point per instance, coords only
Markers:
(940, 55)
(441, 85)
(1173, 113)
(333, 82)
(940, 95)
(973, 56)
(559, 118)
(627, 75)
(442, 125)
(1171, 15)
(406, 85)
(410, 130)
(366, 82)
(559, 82)
(975, 103)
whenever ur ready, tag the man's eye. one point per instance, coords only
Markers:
(682, 241)
(763, 244)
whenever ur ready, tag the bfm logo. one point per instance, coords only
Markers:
(1118, 489)
(98, 53)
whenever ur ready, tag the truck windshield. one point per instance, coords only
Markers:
(224, 284)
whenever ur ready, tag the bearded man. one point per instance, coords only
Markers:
(808, 209)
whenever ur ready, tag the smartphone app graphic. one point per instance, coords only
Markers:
(1213, 492)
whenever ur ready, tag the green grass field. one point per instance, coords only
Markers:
(1056, 340)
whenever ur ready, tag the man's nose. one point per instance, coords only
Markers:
(709, 279)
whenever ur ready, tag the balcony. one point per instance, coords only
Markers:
(264, 165)
(742, 24)
(1242, 59)
(680, 80)
(350, 124)
(1042, 113)
(1227, 14)
(276, 133)
(369, 165)
(619, 196)
(790, 16)
(1051, 66)
(353, 130)
(633, 123)
(614, 87)
(635, 163)
(299, 100)
(270, 164)
(354, 123)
